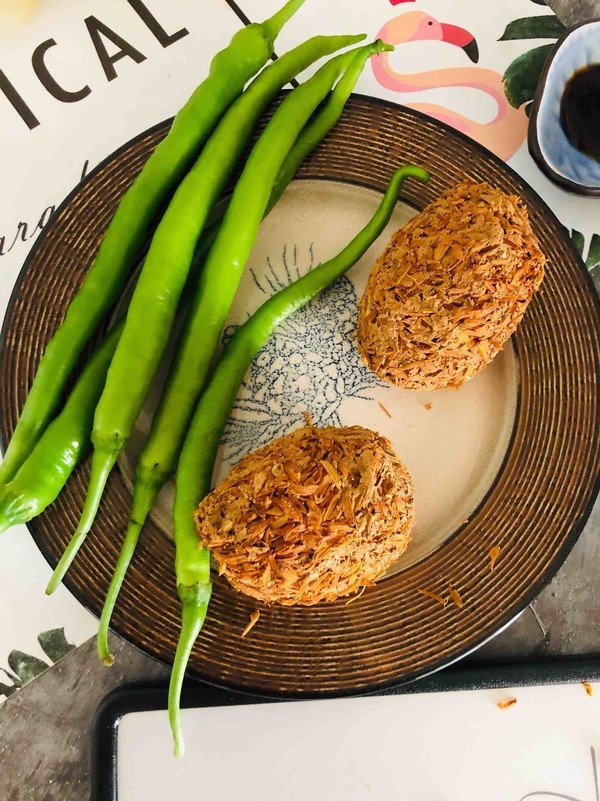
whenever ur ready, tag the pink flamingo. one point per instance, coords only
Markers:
(504, 134)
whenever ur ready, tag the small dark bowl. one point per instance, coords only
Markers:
(554, 154)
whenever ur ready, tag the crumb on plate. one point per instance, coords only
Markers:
(439, 598)
(252, 622)
(383, 409)
(456, 596)
(493, 555)
(357, 596)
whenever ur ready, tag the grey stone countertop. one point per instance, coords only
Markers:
(46, 728)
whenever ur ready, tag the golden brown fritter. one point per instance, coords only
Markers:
(311, 516)
(449, 289)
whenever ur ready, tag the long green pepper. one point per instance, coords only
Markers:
(153, 306)
(44, 473)
(158, 459)
(62, 445)
(231, 68)
(223, 268)
(194, 471)
(310, 137)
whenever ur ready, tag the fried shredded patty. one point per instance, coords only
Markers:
(449, 289)
(312, 516)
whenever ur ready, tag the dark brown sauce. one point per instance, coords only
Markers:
(580, 110)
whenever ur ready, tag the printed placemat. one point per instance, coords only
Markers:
(75, 84)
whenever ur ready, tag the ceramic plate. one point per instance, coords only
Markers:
(510, 460)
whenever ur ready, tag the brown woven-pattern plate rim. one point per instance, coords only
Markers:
(576, 525)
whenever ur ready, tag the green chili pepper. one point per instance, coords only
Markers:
(221, 274)
(248, 51)
(194, 471)
(310, 137)
(44, 473)
(154, 303)
(158, 459)
(46, 470)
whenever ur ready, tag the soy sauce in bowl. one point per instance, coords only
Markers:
(580, 111)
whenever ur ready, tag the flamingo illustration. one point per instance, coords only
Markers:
(504, 134)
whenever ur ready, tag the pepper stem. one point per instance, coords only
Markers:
(102, 464)
(144, 496)
(274, 24)
(194, 604)
(129, 544)
(324, 120)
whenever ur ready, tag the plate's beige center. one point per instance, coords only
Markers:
(453, 441)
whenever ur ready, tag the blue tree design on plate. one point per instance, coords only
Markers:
(310, 364)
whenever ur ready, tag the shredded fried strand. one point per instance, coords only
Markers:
(252, 622)
(456, 597)
(493, 555)
(383, 409)
(439, 598)
(358, 595)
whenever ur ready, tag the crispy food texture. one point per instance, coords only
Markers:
(436, 597)
(254, 617)
(493, 555)
(456, 597)
(312, 516)
(384, 410)
(507, 703)
(449, 289)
